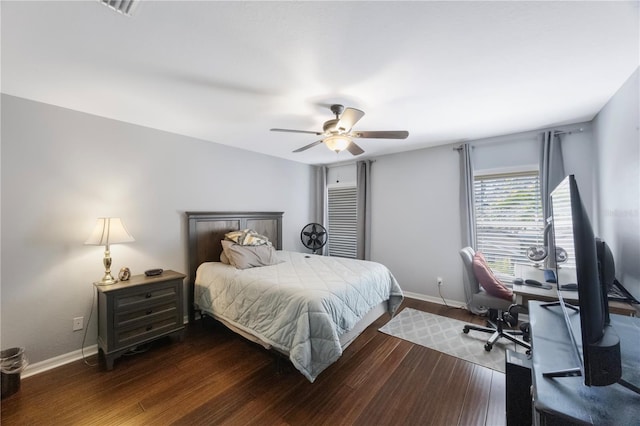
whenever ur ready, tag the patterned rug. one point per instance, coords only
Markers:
(445, 335)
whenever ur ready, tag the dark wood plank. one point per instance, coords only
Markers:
(476, 398)
(216, 377)
(437, 408)
(496, 411)
(399, 396)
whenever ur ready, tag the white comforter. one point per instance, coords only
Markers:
(300, 306)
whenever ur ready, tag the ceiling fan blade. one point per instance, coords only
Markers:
(354, 149)
(349, 118)
(311, 145)
(295, 131)
(383, 134)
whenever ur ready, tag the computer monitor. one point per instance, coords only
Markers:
(597, 343)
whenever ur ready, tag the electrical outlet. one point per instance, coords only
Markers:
(78, 323)
(439, 279)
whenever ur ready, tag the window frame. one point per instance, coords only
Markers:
(505, 246)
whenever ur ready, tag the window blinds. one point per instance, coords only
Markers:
(342, 203)
(508, 219)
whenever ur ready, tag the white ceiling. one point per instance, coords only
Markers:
(227, 72)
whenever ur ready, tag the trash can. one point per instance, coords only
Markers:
(12, 362)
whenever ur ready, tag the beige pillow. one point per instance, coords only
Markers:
(244, 257)
(223, 258)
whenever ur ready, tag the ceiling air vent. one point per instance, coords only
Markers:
(126, 7)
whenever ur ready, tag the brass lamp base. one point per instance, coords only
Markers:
(108, 279)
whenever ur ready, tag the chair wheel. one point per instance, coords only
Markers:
(487, 347)
(465, 330)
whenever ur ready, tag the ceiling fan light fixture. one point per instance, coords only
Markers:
(337, 143)
(338, 135)
(125, 7)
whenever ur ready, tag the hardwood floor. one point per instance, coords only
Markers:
(216, 377)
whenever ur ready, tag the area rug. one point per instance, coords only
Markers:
(445, 335)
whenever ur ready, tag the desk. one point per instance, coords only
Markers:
(566, 400)
(525, 293)
(566, 275)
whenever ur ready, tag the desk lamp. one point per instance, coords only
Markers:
(108, 230)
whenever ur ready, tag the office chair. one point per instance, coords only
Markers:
(501, 311)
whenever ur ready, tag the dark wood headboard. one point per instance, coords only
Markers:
(207, 229)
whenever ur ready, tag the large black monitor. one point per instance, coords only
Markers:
(597, 343)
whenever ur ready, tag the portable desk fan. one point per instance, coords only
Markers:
(313, 236)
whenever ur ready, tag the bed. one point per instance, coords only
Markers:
(306, 307)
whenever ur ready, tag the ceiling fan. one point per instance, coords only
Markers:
(338, 135)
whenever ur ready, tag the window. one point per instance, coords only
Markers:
(508, 214)
(342, 211)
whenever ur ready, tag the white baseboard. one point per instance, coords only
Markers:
(51, 363)
(432, 299)
(58, 361)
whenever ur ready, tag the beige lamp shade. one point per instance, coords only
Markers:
(109, 230)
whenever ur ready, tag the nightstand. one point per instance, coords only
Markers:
(138, 311)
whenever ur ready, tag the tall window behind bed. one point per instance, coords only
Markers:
(509, 219)
(342, 215)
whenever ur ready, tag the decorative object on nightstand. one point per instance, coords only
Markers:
(125, 274)
(138, 312)
(108, 230)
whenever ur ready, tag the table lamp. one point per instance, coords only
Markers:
(108, 230)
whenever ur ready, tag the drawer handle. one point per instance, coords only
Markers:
(149, 327)
(148, 295)
(149, 312)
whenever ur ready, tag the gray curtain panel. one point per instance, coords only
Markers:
(551, 168)
(363, 225)
(321, 212)
(551, 174)
(467, 215)
(467, 212)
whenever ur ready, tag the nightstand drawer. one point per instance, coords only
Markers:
(150, 313)
(125, 337)
(146, 297)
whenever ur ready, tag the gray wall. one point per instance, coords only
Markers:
(62, 169)
(416, 211)
(415, 228)
(617, 137)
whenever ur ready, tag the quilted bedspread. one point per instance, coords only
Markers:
(300, 306)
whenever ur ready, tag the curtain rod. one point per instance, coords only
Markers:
(555, 132)
(568, 132)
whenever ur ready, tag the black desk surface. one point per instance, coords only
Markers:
(568, 399)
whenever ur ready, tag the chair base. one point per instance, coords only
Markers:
(497, 331)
